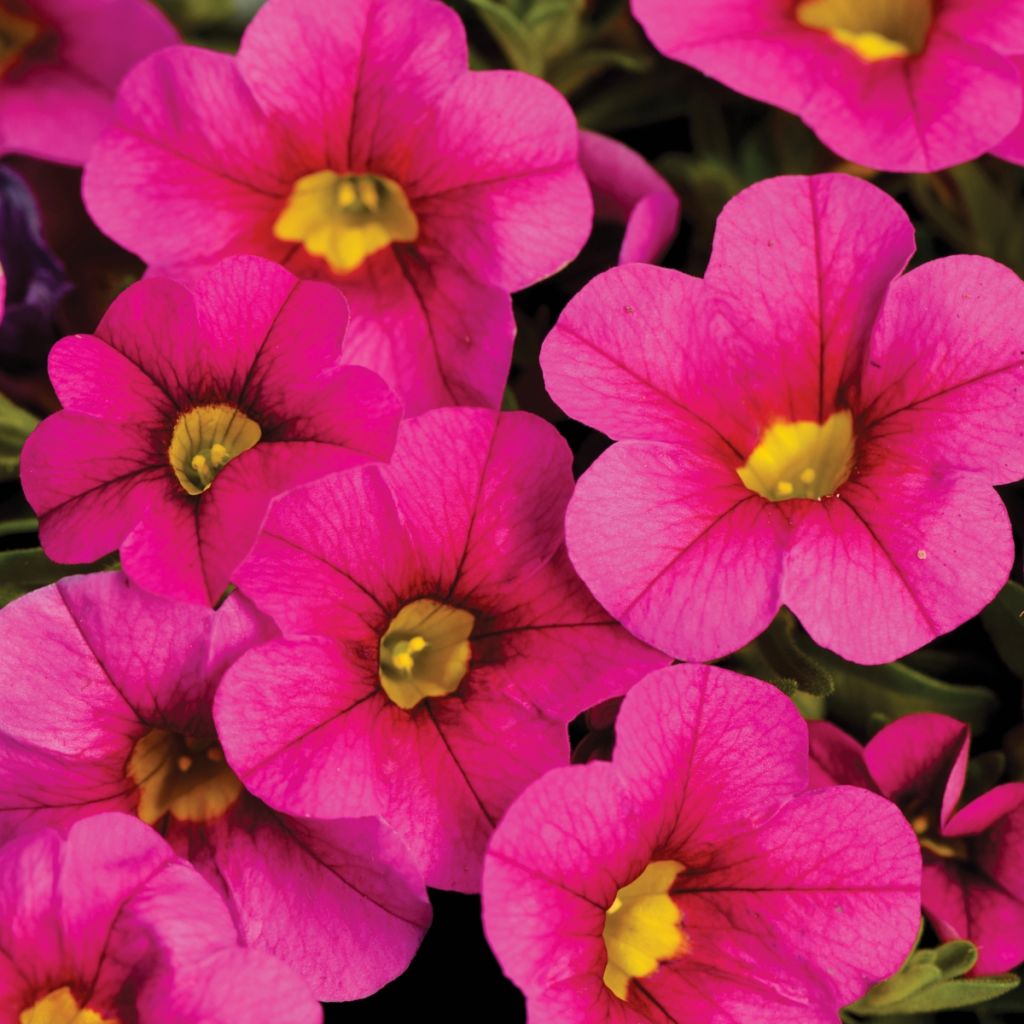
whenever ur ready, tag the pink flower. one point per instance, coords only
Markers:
(187, 412)
(348, 142)
(627, 190)
(802, 427)
(436, 633)
(914, 85)
(107, 925)
(973, 883)
(60, 64)
(693, 878)
(107, 704)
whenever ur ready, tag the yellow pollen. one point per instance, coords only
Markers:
(873, 29)
(801, 459)
(346, 218)
(425, 652)
(173, 777)
(205, 439)
(643, 927)
(17, 34)
(61, 1007)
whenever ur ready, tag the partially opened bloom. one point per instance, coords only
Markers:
(107, 704)
(60, 65)
(628, 190)
(973, 883)
(348, 141)
(437, 640)
(802, 427)
(106, 924)
(694, 877)
(901, 85)
(187, 412)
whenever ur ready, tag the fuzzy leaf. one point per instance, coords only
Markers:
(1003, 620)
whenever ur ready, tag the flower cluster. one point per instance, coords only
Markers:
(362, 607)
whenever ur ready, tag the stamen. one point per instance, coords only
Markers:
(205, 439)
(873, 29)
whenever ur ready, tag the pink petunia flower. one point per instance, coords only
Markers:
(348, 141)
(60, 65)
(802, 427)
(628, 190)
(693, 878)
(187, 412)
(107, 704)
(901, 85)
(973, 883)
(107, 925)
(437, 641)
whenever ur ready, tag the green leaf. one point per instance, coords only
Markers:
(28, 569)
(957, 993)
(511, 34)
(25, 524)
(792, 656)
(1003, 620)
(15, 425)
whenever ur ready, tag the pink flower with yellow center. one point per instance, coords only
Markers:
(973, 882)
(436, 633)
(106, 704)
(106, 925)
(60, 65)
(694, 878)
(803, 427)
(901, 85)
(348, 141)
(187, 412)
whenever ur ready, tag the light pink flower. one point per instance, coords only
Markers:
(914, 85)
(60, 65)
(472, 179)
(107, 704)
(803, 427)
(187, 412)
(108, 920)
(628, 190)
(437, 641)
(759, 895)
(973, 883)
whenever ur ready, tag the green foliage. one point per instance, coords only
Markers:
(1003, 620)
(28, 569)
(15, 425)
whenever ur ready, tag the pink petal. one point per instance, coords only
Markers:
(677, 549)
(1012, 147)
(995, 23)
(836, 758)
(987, 811)
(627, 190)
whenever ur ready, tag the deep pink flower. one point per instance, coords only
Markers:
(973, 884)
(693, 878)
(107, 925)
(348, 142)
(60, 64)
(802, 427)
(187, 412)
(107, 704)
(628, 190)
(914, 85)
(435, 631)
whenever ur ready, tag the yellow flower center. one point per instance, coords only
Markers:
(18, 31)
(183, 776)
(425, 652)
(801, 459)
(947, 847)
(346, 218)
(205, 439)
(874, 29)
(61, 1007)
(643, 927)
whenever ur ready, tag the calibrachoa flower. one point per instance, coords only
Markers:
(60, 64)
(628, 190)
(437, 640)
(902, 85)
(693, 877)
(802, 427)
(973, 884)
(348, 142)
(107, 925)
(107, 704)
(187, 411)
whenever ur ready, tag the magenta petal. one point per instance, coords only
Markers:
(836, 758)
(677, 549)
(982, 813)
